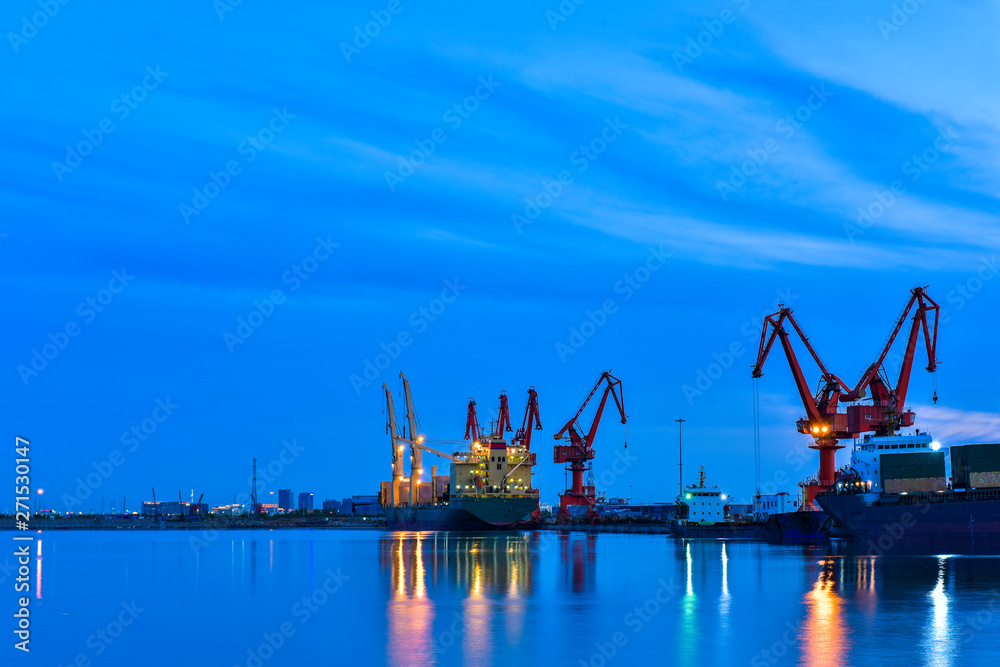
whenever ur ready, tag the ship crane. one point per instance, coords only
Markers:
(416, 452)
(502, 424)
(522, 438)
(532, 422)
(397, 447)
(579, 452)
(472, 431)
(399, 442)
(823, 420)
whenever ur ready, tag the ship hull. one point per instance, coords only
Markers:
(472, 514)
(719, 531)
(799, 526)
(956, 523)
(808, 527)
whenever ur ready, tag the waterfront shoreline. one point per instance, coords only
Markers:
(93, 523)
(323, 523)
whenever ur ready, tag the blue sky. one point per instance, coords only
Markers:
(743, 139)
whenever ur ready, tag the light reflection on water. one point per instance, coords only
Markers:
(823, 637)
(512, 598)
(939, 645)
(483, 569)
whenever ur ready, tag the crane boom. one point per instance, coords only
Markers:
(612, 383)
(397, 459)
(825, 401)
(416, 453)
(871, 379)
(420, 445)
(822, 419)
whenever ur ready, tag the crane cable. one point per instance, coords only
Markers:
(756, 432)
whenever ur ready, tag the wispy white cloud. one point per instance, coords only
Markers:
(951, 426)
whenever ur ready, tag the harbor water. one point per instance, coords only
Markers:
(369, 597)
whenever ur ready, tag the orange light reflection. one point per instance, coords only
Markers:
(410, 619)
(823, 634)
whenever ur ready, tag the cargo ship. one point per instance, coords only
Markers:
(490, 483)
(896, 493)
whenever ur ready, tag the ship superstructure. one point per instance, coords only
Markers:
(898, 463)
(702, 504)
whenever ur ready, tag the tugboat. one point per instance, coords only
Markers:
(490, 485)
(701, 513)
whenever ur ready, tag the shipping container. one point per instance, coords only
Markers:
(959, 467)
(976, 466)
(916, 485)
(913, 472)
(442, 484)
(915, 465)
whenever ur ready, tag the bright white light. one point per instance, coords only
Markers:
(935, 445)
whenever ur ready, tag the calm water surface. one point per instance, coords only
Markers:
(345, 597)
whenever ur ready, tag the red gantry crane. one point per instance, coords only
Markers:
(885, 412)
(579, 452)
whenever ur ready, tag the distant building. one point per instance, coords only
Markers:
(740, 511)
(229, 510)
(657, 510)
(285, 499)
(305, 501)
(361, 505)
(776, 503)
(331, 505)
(171, 508)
